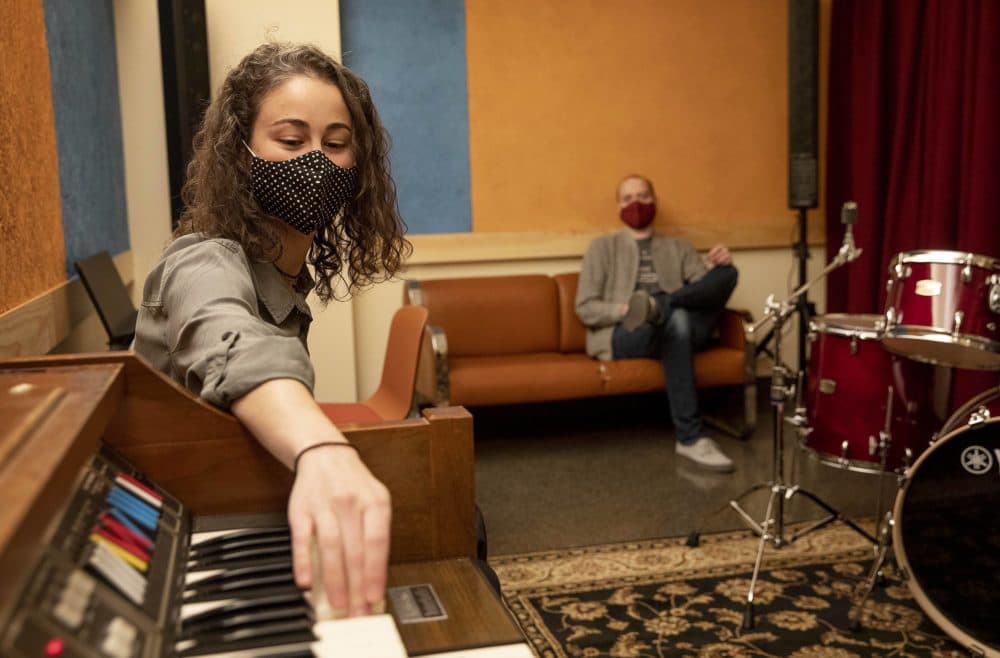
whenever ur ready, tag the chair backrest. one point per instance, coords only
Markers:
(394, 397)
(110, 297)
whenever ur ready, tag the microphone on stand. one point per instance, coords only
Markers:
(848, 217)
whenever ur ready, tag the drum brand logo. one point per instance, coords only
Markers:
(928, 288)
(977, 460)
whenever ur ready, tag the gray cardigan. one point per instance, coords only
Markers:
(608, 277)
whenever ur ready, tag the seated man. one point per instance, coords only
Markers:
(643, 294)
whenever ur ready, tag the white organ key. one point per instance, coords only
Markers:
(195, 577)
(200, 537)
(374, 636)
(189, 610)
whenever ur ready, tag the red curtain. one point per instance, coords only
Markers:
(913, 136)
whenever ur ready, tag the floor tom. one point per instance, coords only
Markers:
(850, 376)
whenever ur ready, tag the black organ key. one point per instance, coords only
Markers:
(232, 581)
(209, 539)
(242, 557)
(245, 542)
(240, 597)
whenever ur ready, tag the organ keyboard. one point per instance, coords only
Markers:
(139, 522)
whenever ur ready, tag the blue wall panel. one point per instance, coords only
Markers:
(81, 40)
(412, 55)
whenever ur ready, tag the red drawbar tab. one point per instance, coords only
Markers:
(142, 486)
(123, 532)
(123, 544)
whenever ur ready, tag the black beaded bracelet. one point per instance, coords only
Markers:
(342, 444)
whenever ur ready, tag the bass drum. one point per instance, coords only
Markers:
(947, 538)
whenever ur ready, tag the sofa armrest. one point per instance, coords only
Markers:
(732, 328)
(433, 386)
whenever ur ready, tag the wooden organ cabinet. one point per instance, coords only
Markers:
(104, 462)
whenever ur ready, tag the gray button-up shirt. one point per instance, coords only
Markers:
(221, 324)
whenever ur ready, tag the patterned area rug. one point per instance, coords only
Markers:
(662, 598)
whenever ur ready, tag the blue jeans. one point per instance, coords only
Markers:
(687, 318)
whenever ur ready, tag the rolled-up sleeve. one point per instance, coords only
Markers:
(220, 346)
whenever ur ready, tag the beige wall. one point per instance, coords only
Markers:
(144, 140)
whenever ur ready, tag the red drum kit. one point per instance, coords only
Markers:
(877, 401)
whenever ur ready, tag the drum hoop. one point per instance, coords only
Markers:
(946, 624)
(852, 465)
(935, 335)
(946, 258)
(822, 324)
(967, 408)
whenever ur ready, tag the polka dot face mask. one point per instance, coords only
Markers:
(306, 192)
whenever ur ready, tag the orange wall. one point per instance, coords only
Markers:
(31, 239)
(567, 97)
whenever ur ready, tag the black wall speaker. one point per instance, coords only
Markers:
(803, 103)
(186, 86)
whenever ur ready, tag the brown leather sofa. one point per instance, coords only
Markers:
(514, 339)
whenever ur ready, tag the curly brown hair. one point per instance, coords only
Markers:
(365, 245)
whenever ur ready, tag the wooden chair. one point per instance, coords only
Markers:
(394, 398)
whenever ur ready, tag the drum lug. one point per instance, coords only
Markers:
(994, 298)
(967, 273)
(872, 444)
(843, 460)
(907, 459)
(854, 345)
(902, 271)
(980, 415)
(957, 325)
(890, 318)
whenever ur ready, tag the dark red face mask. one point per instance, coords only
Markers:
(638, 215)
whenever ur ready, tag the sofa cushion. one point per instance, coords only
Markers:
(572, 333)
(715, 366)
(512, 379)
(489, 316)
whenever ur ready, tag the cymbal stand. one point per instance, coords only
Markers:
(885, 523)
(772, 527)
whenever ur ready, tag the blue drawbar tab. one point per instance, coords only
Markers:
(121, 492)
(142, 520)
(135, 510)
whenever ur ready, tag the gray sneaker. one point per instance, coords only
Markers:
(641, 309)
(705, 453)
